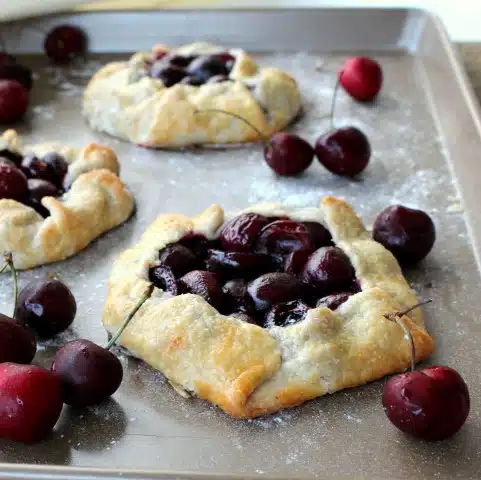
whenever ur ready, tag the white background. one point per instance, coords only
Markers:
(461, 17)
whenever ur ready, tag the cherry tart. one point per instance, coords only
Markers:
(266, 309)
(157, 99)
(54, 200)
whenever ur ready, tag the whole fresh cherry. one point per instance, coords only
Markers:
(19, 73)
(288, 154)
(431, 403)
(30, 402)
(409, 234)
(89, 373)
(17, 343)
(344, 151)
(46, 306)
(361, 78)
(65, 43)
(13, 101)
(13, 183)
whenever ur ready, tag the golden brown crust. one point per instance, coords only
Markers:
(249, 371)
(96, 202)
(122, 100)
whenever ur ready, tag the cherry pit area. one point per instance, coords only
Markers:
(425, 140)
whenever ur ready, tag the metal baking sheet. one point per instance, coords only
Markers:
(425, 133)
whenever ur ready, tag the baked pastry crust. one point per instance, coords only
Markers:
(250, 371)
(123, 101)
(96, 202)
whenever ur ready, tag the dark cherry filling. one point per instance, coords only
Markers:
(193, 70)
(267, 271)
(28, 178)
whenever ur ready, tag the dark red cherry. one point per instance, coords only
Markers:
(39, 189)
(241, 232)
(409, 234)
(30, 402)
(328, 270)
(199, 245)
(244, 317)
(238, 264)
(179, 259)
(163, 278)
(204, 284)
(320, 235)
(17, 343)
(13, 101)
(361, 78)
(52, 167)
(46, 306)
(218, 79)
(168, 74)
(14, 157)
(207, 66)
(89, 373)
(295, 261)
(432, 403)
(17, 72)
(65, 43)
(7, 59)
(179, 60)
(288, 154)
(344, 151)
(13, 183)
(272, 288)
(285, 314)
(284, 236)
(236, 297)
(191, 80)
(334, 301)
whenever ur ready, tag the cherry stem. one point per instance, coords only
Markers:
(9, 262)
(333, 101)
(235, 115)
(141, 301)
(396, 317)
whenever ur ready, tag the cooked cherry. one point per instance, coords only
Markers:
(432, 403)
(284, 236)
(199, 245)
(343, 151)
(320, 235)
(334, 301)
(295, 261)
(288, 154)
(179, 259)
(179, 60)
(13, 101)
(218, 79)
(17, 343)
(236, 297)
(361, 77)
(244, 317)
(328, 270)
(89, 373)
(39, 189)
(14, 157)
(30, 402)
(285, 314)
(191, 80)
(238, 264)
(407, 233)
(241, 232)
(64, 43)
(204, 284)
(52, 167)
(272, 288)
(46, 306)
(169, 74)
(208, 66)
(13, 183)
(17, 72)
(163, 278)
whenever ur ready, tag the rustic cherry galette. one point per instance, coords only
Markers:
(154, 98)
(266, 310)
(54, 200)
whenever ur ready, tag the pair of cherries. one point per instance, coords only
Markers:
(83, 373)
(62, 44)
